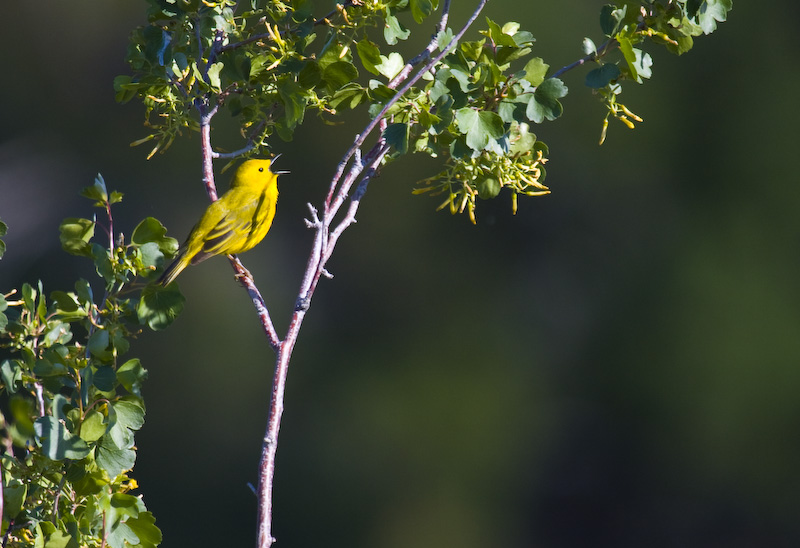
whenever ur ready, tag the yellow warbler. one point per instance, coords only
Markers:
(233, 224)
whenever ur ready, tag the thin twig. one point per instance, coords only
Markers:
(426, 53)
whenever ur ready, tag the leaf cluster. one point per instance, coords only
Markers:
(73, 402)
(269, 62)
(672, 23)
(266, 65)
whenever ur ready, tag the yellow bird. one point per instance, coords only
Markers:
(233, 224)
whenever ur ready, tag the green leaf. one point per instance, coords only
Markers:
(57, 442)
(498, 36)
(353, 93)
(14, 494)
(10, 375)
(339, 74)
(396, 135)
(370, 55)
(310, 76)
(97, 191)
(643, 63)
(524, 142)
(93, 427)
(98, 344)
(130, 413)
(391, 66)
(105, 379)
(112, 459)
(488, 188)
(159, 306)
(131, 375)
(75, 235)
(61, 539)
(65, 302)
(535, 71)
(144, 527)
(84, 291)
(712, 12)
(151, 230)
(444, 38)
(394, 31)
(602, 76)
(57, 332)
(213, 76)
(611, 18)
(480, 127)
(121, 535)
(626, 47)
(294, 102)
(420, 9)
(544, 104)
(151, 256)
(588, 46)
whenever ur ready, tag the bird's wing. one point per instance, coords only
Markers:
(231, 226)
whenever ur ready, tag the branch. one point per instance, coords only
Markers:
(242, 274)
(426, 53)
(325, 240)
(400, 93)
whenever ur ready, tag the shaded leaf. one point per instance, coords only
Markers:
(544, 104)
(75, 235)
(113, 459)
(397, 136)
(339, 74)
(56, 441)
(131, 375)
(420, 9)
(97, 192)
(602, 76)
(159, 306)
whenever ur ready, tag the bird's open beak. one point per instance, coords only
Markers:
(273, 162)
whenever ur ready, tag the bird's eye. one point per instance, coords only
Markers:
(260, 169)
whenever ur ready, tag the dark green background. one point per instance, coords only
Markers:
(617, 365)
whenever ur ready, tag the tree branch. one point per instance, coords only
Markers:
(359, 141)
(325, 240)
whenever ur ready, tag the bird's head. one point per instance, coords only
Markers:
(255, 174)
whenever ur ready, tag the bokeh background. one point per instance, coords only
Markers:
(616, 365)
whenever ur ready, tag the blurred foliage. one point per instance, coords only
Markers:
(74, 403)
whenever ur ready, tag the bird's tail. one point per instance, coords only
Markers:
(173, 269)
